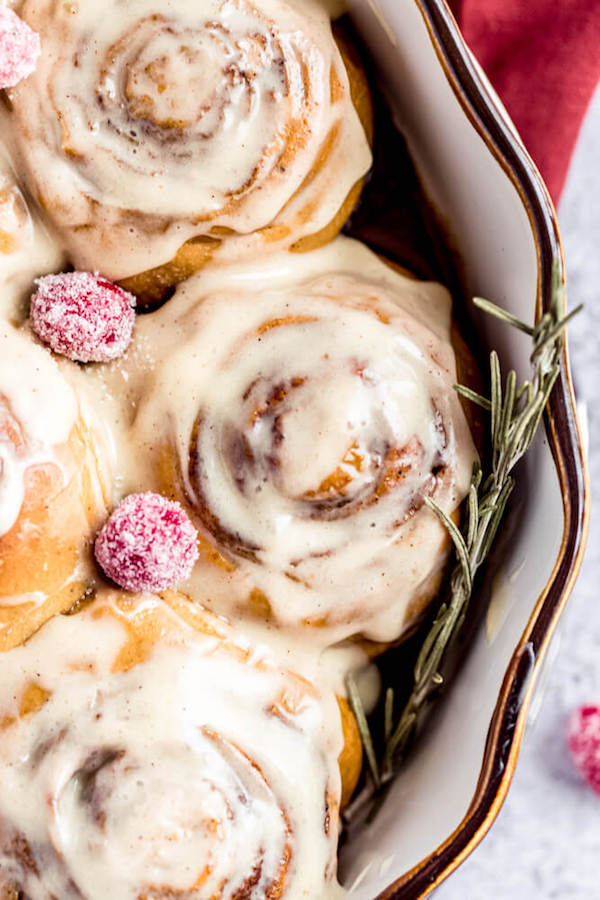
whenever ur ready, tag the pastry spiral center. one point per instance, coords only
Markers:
(204, 801)
(187, 86)
(153, 85)
(342, 448)
(204, 80)
(312, 427)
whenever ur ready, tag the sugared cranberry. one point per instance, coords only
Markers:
(82, 316)
(584, 743)
(19, 48)
(147, 544)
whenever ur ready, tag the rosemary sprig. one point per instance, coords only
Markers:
(515, 413)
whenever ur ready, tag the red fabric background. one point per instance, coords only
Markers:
(543, 58)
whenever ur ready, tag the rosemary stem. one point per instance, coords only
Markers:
(515, 414)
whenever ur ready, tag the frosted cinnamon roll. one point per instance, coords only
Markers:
(302, 412)
(154, 126)
(53, 488)
(169, 758)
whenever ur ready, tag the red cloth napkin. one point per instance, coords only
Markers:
(543, 58)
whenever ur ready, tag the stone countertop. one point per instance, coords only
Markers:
(546, 841)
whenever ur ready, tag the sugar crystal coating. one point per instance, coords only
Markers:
(584, 743)
(147, 544)
(82, 316)
(19, 48)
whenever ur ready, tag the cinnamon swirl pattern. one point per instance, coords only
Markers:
(53, 488)
(169, 758)
(150, 124)
(303, 425)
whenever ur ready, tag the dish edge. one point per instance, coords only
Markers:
(508, 721)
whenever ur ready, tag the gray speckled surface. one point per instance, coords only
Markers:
(546, 840)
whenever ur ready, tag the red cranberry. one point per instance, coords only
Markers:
(82, 316)
(147, 544)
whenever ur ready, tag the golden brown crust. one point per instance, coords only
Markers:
(351, 757)
(154, 285)
(44, 549)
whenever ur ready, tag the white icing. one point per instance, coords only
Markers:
(44, 407)
(148, 123)
(26, 249)
(376, 371)
(185, 766)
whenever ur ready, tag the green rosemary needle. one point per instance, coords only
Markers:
(515, 413)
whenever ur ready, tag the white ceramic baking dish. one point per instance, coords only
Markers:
(481, 182)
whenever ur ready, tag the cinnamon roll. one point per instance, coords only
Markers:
(169, 758)
(54, 488)
(155, 134)
(302, 412)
